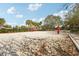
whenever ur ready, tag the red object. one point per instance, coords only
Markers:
(58, 29)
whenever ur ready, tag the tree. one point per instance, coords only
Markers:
(51, 21)
(23, 28)
(72, 19)
(2, 21)
(7, 26)
(28, 22)
(33, 24)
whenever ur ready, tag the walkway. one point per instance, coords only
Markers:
(75, 39)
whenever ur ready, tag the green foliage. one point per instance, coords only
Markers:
(51, 21)
(5, 30)
(23, 29)
(73, 19)
(2, 21)
(20, 29)
(46, 28)
(29, 22)
(7, 26)
(49, 24)
(32, 23)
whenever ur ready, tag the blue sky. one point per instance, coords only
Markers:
(17, 13)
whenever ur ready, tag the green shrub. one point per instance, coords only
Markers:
(74, 30)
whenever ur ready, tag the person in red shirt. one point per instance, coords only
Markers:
(58, 29)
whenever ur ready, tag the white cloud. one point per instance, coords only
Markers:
(38, 20)
(41, 19)
(19, 16)
(34, 7)
(62, 14)
(11, 10)
(34, 19)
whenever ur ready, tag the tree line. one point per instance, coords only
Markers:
(47, 24)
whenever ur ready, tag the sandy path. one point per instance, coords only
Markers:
(54, 44)
(37, 34)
